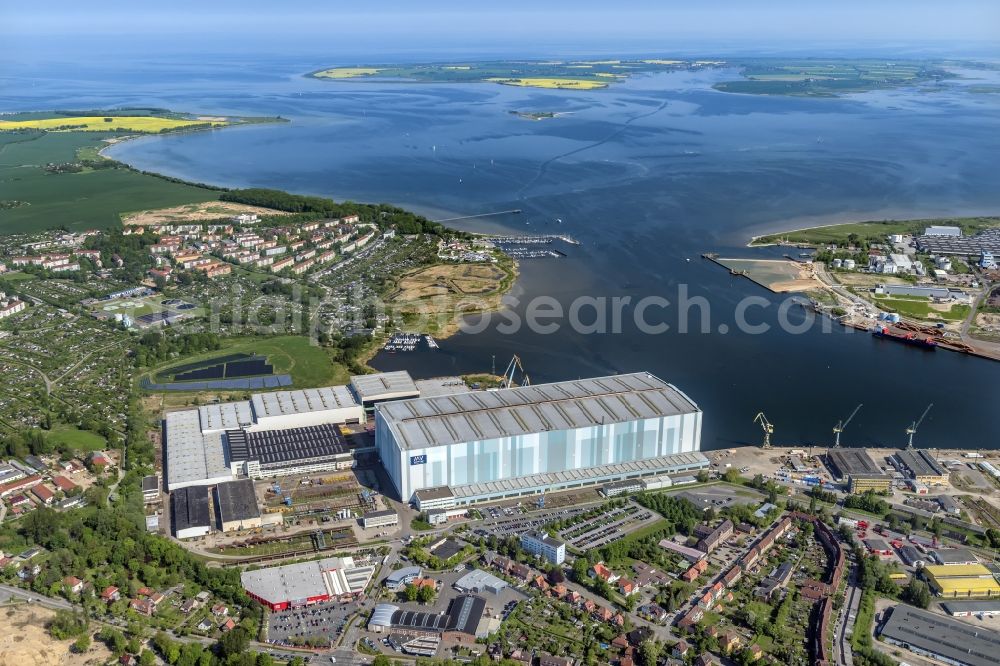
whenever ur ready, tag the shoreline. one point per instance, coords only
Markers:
(844, 221)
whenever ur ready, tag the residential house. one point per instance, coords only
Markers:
(680, 648)
(228, 625)
(142, 606)
(599, 570)
(110, 594)
(73, 584)
(730, 641)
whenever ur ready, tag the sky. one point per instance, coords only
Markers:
(538, 25)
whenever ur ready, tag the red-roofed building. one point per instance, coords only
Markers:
(43, 493)
(228, 625)
(73, 584)
(142, 606)
(20, 484)
(110, 594)
(604, 573)
(63, 484)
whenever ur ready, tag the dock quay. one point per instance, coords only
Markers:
(534, 239)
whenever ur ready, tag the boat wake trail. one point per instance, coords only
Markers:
(543, 167)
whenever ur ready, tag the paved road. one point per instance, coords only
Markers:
(8, 592)
(845, 622)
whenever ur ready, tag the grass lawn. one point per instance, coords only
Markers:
(309, 365)
(85, 200)
(922, 308)
(81, 440)
(876, 230)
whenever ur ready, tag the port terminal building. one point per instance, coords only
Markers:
(485, 445)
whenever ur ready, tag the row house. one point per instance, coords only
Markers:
(301, 268)
(308, 254)
(297, 245)
(326, 257)
(282, 264)
(275, 250)
(310, 226)
(263, 262)
(215, 269)
(11, 307)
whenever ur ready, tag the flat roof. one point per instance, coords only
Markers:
(544, 538)
(971, 606)
(439, 386)
(954, 556)
(273, 448)
(479, 415)
(283, 403)
(150, 483)
(384, 386)
(941, 571)
(193, 457)
(435, 493)
(237, 501)
(380, 514)
(298, 582)
(478, 580)
(958, 641)
(853, 462)
(189, 508)
(920, 463)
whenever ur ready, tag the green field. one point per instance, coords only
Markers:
(81, 440)
(921, 308)
(308, 365)
(549, 74)
(828, 77)
(840, 234)
(92, 198)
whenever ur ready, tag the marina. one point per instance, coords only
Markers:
(408, 342)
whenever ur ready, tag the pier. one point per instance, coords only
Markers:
(532, 239)
(512, 211)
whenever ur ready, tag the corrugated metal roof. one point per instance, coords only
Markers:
(384, 384)
(444, 420)
(280, 403)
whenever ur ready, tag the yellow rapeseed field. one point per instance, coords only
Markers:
(347, 72)
(560, 84)
(101, 123)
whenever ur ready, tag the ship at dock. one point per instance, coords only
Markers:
(906, 338)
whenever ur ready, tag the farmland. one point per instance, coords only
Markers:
(141, 124)
(552, 83)
(828, 78)
(83, 199)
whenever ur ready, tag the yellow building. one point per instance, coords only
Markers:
(966, 580)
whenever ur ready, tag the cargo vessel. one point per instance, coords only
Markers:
(905, 338)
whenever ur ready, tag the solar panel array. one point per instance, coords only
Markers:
(275, 448)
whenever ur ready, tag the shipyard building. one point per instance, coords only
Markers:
(484, 445)
(857, 469)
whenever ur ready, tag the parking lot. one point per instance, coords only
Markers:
(312, 623)
(514, 522)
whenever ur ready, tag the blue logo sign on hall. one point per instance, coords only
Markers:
(418, 460)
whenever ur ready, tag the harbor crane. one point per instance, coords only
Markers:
(912, 430)
(839, 428)
(767, 427)
(508, 375)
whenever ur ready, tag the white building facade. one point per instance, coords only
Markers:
(485, 437)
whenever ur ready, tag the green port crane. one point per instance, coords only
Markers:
(767, 427)
(839, 428)
(912, 430)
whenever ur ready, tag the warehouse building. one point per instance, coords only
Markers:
(270, 453)
(383, 386)
(198, 451)
(236, 506)
(969, 608)
(939, 637)
(307, 583)
(465, 618)
(920, 466)
(189, 515)
(521, 441)
(954, 556)
(387, 518)
(479, 581)
(856, 468)
(961, 581)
